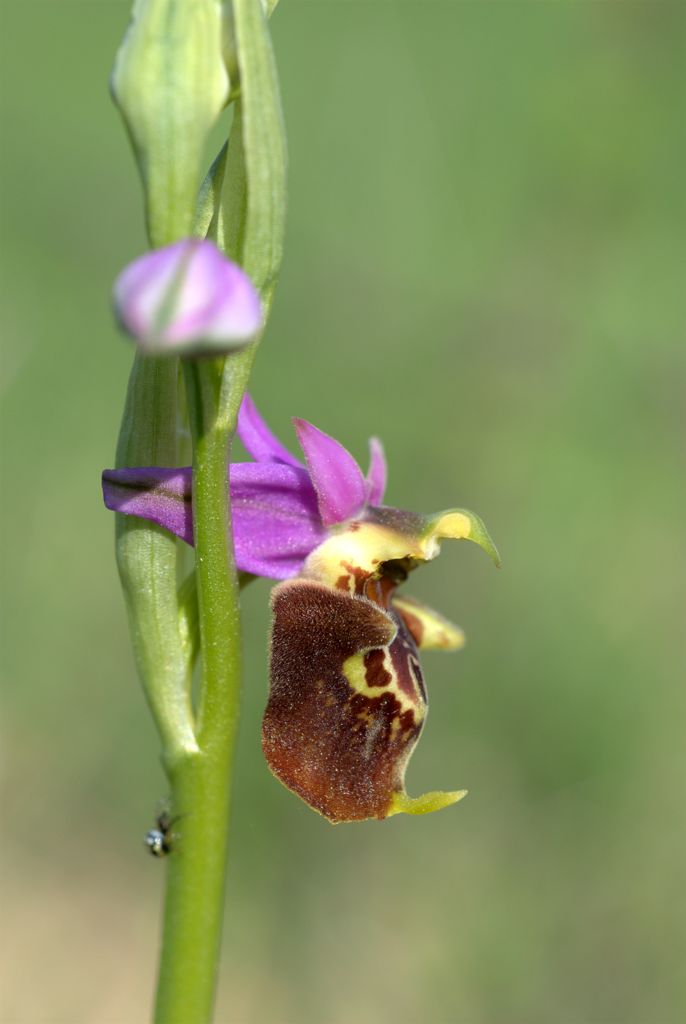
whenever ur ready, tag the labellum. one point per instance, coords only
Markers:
(347, 700)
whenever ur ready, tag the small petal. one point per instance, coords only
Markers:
(429, 629)
(257, 438)
(378, 472)
(187, 299)
(337, 478)
(274, 511)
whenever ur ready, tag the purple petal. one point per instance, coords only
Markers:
(378, 472)
(276, 522)
(187, 298)
(338, 481)
(257, 438)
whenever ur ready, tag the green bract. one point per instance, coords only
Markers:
(170, 83)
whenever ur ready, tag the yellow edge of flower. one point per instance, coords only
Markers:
(401, 803)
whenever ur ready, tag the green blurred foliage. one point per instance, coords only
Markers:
(484, 265)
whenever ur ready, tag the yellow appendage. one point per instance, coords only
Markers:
(436, 801)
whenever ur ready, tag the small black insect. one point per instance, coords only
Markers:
(160, 840)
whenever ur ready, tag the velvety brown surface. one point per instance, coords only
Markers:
(342, 751)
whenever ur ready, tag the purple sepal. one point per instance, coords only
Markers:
(187, 298)
(276, 521)
(257, 438)
(378, 472)
(338, 481)
(160, 495)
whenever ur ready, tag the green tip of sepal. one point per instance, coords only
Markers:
(460, 524)
(401, 803)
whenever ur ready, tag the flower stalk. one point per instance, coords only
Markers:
(200, 781)
(171, 82)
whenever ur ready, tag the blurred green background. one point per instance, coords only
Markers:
(484, 265)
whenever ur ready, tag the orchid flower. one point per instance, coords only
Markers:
(347, 699)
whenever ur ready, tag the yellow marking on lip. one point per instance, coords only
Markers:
(354, 671)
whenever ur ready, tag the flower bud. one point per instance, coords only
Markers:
(187, 299)
(170, 84)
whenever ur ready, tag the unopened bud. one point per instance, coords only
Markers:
(187, 299)
(170, 83)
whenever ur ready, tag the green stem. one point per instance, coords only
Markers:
(194, 889)
(248, 202)
(201, 782)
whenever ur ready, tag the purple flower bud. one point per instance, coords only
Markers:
(187, 299)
